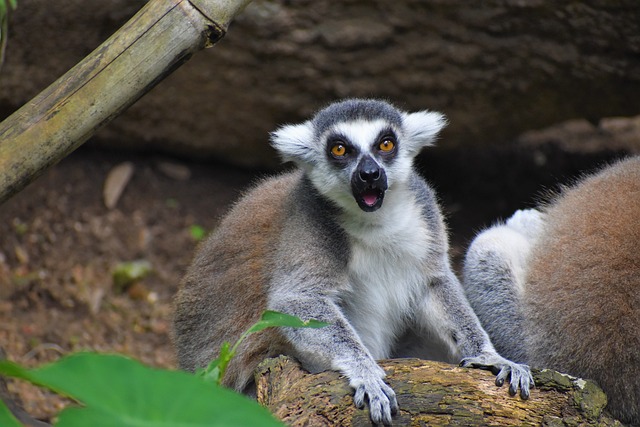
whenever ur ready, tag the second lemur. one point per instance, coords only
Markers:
(353, 237)
(559, 287)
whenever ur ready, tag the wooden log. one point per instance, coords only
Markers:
(157, 40)
(429, 393)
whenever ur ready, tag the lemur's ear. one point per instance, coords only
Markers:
(294, 142)
(421, 128)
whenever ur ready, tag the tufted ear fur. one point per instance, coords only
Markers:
(421, 129)
(294, 142)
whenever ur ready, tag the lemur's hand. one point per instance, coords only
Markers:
(520, 374)
(382, 398)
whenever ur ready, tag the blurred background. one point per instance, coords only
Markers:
(537, 92)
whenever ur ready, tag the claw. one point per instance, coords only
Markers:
(520, 374)
(382, 400)
(379, 411)
(394, 406)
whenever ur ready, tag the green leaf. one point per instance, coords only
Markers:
(127, 273)
(197, 232)
(6, 417)
(3, 6)
(4, 10)
(217, 367)
(270, 319)
(12, 369)
(119, 391)
(4, 25)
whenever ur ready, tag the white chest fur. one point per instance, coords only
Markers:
(388, 275)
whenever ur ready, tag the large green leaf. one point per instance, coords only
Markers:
(119, 391)
(6, 417)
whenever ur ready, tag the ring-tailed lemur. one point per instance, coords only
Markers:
(353, 237)
(559, 287)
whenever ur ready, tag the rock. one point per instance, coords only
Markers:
(138, 291)
(581, 136)
(116, 182)
(495, 68)
(174, 170)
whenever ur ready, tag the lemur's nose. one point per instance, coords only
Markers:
(368, 170)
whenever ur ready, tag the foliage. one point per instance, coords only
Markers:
(118, 391)
(6, 417)
(127, 273)
(12, 3)
(114, 390)
(216, 369)
(197, 232)
(5, 5)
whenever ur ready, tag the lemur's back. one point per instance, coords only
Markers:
(582, 299)
(226, 279)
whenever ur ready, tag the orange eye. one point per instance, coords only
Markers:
(386, 146)
(339, 150)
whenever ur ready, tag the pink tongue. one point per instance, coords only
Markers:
(370, 198)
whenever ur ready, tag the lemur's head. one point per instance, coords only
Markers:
(357, 149)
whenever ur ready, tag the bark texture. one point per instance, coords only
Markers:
(430, 393)
(496, 68)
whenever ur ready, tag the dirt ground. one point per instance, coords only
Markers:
(59, 245)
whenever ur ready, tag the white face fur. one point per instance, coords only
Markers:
(346, 149)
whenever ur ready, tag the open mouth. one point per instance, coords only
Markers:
(370, 199)
(368, 184)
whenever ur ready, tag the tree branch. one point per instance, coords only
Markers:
(157, 40)
(429, 393)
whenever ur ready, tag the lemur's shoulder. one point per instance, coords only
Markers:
(600, 211)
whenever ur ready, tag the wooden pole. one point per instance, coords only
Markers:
(157, 40)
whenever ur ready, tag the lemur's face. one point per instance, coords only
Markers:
(355, 151)
(361, 158)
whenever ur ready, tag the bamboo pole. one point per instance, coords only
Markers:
(157, 40)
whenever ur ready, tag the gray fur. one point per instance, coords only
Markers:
(496, 303)
(427, 199)
(493, 278)
(302, 244)
(560, 288)
(352, 110)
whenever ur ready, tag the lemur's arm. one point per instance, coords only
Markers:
(494, 278)
(449, 311)
(337, 347)
(307, 283)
